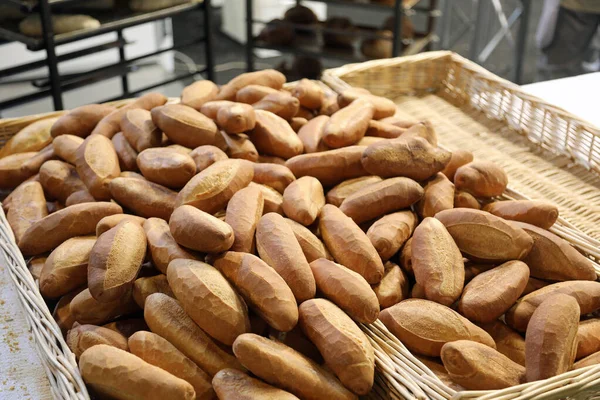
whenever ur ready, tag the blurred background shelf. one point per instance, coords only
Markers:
(114, 20)
(393, 39)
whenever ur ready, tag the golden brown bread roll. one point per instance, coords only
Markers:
(231, 384)
(119, 374)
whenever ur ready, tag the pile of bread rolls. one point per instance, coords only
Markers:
(229, 246)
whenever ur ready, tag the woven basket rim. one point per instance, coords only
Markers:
(570, 383)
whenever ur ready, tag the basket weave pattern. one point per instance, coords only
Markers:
(548, 154)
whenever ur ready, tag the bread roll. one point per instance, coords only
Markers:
(97, 164)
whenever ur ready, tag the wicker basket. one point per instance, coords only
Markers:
(451, 92)
(548, 154)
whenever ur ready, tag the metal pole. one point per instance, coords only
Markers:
(397, 41)
(48, 35)
(208, 41)
(431, 21)
(521, 44)
(445, 25)
(249, 37)
(122, 58)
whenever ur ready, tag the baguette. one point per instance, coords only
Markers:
(198, 93)
(273, 200)
(166, 318)
(28, 207)
(207, 155)
(347, 289)
(77, 220)
(263, 289)
(209, 299)
(60, 180)
(87, 310)
(139, 130)
(243, 213)
(288, 369)
(311, 134)
(163, 247)
(97, 164)
(127, 155)
(81, 121)
(197, 230)
(272, 135)
(340, 192)
(65, 147)
(116, 260)
(231, 384)
(311, 246)
(159, 352)
(34, 137)
(212, 188)
(185, 126)
(82, 337)
(278, 247)
(117, 373)
(166, 166)
(303, 200)
(345, 348)
(279, 177)
(393, 287)
(391, 231)
(145, 286)
(268, 77)
(144, 198)
(66, 268)
(111, 221)
(349, 245)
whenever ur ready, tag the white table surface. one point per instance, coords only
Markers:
(578, 95)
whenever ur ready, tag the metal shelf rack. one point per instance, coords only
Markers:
(113, 21)
(314, 47)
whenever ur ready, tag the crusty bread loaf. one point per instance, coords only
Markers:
(209, 299)
(184, 125)
(198, 93)
(207, 155)
(159, 352)
(139, 130)
(243, 213)
(77, 220)
(87, 310)
(82, 337)
(273, 200)
(345, 348)
(346, 289)
(391, 231)
(311, 245)
(274, 175)
(286, 368)
(508, 341)
(278, 247)
(97, 164)
(231, 384)
(127, 155)
(490, 294)
(166, 166)
(163, 247)
(144, 198)
(66, 268)
(263, 289)
(65, 147)
(145, 286)
(468, 363)
(425, 326)
(115, 261)
(197, 230)
(551, 338)
(212, 188)
(28, 205)
(62, 313)
(117, 373)
(482, 236)
(349, 245)
(553, 258)
(393, 287)
(111, 124)
(111, 221)
(81, 121)
(60, 179)
(165, 317)
(587, 294)
(34, 137)
(303, 200)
